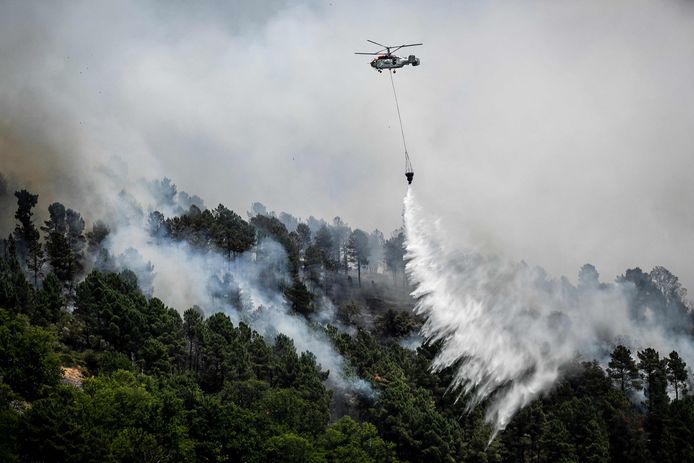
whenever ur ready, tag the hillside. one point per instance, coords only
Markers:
(298, 344)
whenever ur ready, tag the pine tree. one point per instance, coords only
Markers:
(65, 242)
(324, 242)
(304, 233)
(25, 231)
(60, 256)
(677, 373)
(49, 301)
(340, 233)
(622, 369)
(231, 233)
(75, 236)
(395, 253)
(193, 328)
(27, 235)
(653, 372)
(35, 260)
(358, 250)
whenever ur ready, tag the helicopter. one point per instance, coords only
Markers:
(388, 60)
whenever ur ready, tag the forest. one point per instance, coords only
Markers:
(96, 366)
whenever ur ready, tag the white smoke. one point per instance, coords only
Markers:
(183, 276)
(508, 330)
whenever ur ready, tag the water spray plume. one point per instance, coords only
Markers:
(455, 292)
(507, 330)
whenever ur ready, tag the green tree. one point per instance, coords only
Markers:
(358, 250)
(299, 297)
(340, 235)
(349, 441)
(57, 221)
(682, 419)
(653, 372)
(53, 430)
(194, 330)
(348, 313)
(304, 233)
(622, 369)
(36, 260)
(97, 236)
(394, 253)
(111, 307)
(27, 363)
(95, 245)
(313, 263)
(324, 242)
(60, 257)
(10, 422)
(118, 417)
(231, 233)
(289, 411)
(227, 432)
(26, 233)
(157, 225)
(49, 301)
(117, 315)
(260, 354)
(677, 373)
(290, 448)
(65, 242)
(224, 358)
(397, 324)
(556, 443)
(15, 291)
(75, 234)
(409, 418)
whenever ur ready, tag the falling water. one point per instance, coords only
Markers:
(506, 329)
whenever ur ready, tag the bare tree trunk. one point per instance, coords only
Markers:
(190, 355)
(36, 270)
(676, 394)
(359, 271)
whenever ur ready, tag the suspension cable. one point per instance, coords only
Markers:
(408, 164)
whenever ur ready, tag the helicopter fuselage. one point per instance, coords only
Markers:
(393, 62)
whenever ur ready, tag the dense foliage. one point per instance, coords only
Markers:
(141, 381)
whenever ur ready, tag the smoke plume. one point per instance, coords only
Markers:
(562, 109)
(508, 330)
(246, 288)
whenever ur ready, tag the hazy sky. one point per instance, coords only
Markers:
(551, 131)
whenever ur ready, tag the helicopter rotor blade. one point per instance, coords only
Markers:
(376, 43)
(372, 53)
(403, 46)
